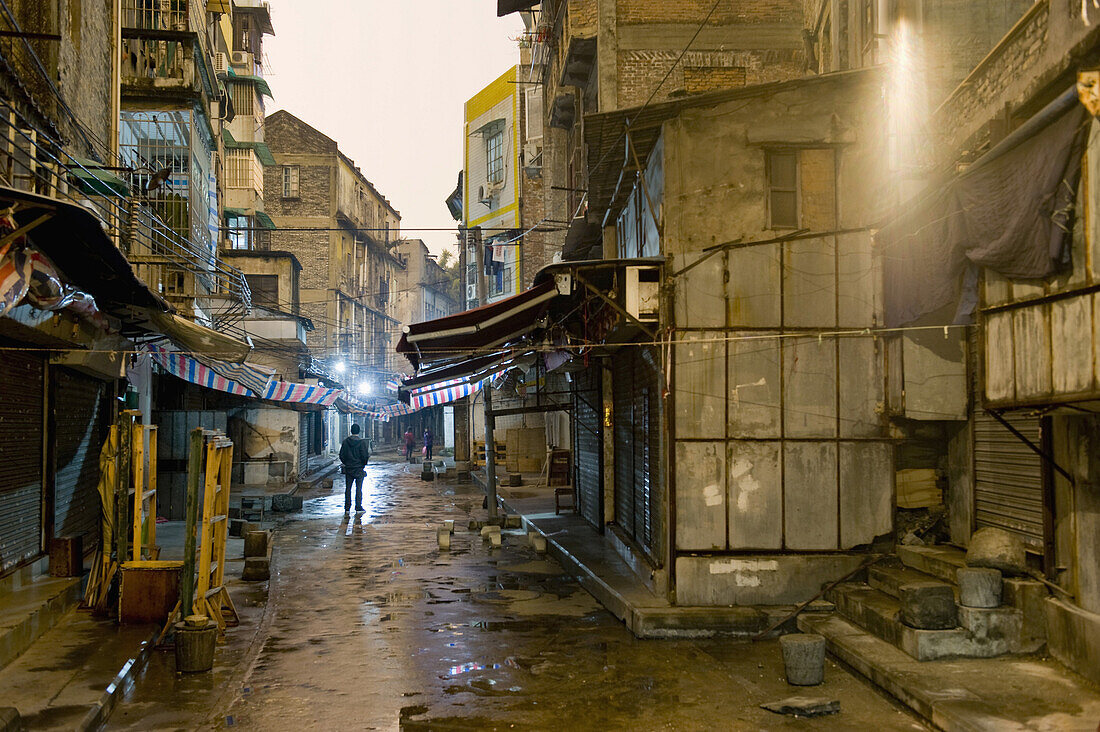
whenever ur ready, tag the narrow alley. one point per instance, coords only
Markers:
(370, 626)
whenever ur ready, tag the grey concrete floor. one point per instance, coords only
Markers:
(369, 626)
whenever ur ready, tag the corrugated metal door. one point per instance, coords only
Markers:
(637, 439)
(303, 443)
(1008, 477)
(588, 443)
(21, 412)
(78, 410)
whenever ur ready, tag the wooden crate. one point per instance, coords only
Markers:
(150, 590)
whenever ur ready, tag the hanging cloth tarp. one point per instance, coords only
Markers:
(1011, 212)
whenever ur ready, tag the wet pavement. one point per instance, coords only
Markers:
(368, 625)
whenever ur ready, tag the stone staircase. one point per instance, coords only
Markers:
(1014, 627)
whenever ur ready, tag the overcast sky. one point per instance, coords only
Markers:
(387, 81)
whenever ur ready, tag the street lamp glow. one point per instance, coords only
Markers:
(339, 367)
(363, 388)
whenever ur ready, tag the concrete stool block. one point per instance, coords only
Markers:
(514, 521)
(803, 658)
(443, 535)
(515, 479)
(249, 526)
(928, 605)
(235, 527)
(495, 538)
(979, 586)
(326, 483)
(256, 569)
(539, 543)
(474, 525)
(450, 524)
(486, 530)
(256, 543)
(286, 502)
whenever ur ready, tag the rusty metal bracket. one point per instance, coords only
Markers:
(618, 308)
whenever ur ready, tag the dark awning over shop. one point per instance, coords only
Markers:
(73, 238)
(506, 7)
(473, 332)
(1011, 212)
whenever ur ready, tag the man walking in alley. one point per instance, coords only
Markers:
(410, 444)
(354, 454)
(429, 439)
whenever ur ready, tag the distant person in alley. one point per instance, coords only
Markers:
(354, 454)
(428, 440)
(410, 444)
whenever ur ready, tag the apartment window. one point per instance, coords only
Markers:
(291, 175)
(782, 171)
(265, 290)
(239, 230)
(494, 156)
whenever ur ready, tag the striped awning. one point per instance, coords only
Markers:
(196, 372)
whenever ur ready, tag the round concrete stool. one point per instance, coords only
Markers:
(979, 586)
(195, 640)
(803, 658)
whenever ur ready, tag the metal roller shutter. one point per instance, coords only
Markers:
(21, 412)
(622, 388)
(1008, 477)
(637, 445)
(303, 443)
(79, 431)
(588, 443)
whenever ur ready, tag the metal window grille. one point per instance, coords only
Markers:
(494, 154)
(244, 170)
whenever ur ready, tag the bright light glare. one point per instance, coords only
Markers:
(363, 388)
(339, 367)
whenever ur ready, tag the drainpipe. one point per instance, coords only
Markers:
(490, 420)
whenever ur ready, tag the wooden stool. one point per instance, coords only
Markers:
(564, 492)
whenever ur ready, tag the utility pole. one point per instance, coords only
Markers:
(490, 420)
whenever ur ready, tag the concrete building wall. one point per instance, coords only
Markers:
(781, 443)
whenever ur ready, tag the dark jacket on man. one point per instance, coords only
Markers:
(354, 454)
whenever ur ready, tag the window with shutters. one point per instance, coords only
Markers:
(291, 174)
(782, 172)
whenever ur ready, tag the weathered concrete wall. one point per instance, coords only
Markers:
(759, 579)
(781, 438)
(269, 434)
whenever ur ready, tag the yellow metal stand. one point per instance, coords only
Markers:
(211, 597)
(144, 469)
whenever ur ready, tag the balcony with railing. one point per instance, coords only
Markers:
(244, 179)
(164, 47)
(117, 192)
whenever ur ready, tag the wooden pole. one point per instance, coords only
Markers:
(194, 480)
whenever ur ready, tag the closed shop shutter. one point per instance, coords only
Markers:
(21, 413)
(303, 443)
(588, 443)
(1008, 477)
(637, 445)
(78, 409)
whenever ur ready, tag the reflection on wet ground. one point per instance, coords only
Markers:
(372, 627)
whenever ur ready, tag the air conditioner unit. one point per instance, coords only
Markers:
(221, 63)
(643, 293)
(471, 292)
(242, 58)
(532, 154)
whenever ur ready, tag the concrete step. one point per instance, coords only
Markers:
(887, 576)
(35, 607)
(963, 695)
(984, 633)
(939, 561)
